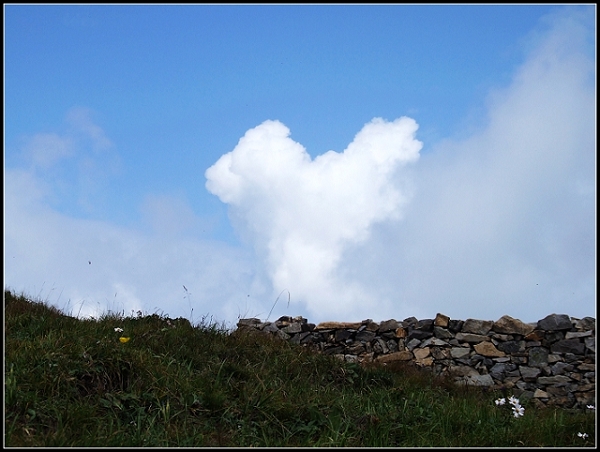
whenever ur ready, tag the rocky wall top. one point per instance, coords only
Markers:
(551, 361)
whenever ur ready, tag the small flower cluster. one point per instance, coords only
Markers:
(122, 339)
(585, 435)
(518, 410)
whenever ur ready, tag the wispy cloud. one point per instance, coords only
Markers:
(44, 150)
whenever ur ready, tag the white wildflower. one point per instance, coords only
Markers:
(518, 411)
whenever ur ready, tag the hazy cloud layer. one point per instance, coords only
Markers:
(87, 267)
(501, 223)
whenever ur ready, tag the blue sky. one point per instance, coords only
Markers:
(188, 146)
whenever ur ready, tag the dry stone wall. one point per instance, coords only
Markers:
(551, 362)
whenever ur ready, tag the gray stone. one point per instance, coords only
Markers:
(337, 325)
(508, 325)
(308, 327)
(462, 371)
(467, 337)
(529, 344)
(442, 333)
(356, 349)
(434, 341)
(529, 373)
(498, 371)
(248, 322)
(555, 322)
(570, 357)
(519, 359)
(557, 380)
(538, 357)
(392, 346)
(341, 335)
(512, 346)
(412, 344)
(502, 359)
(424, 325)
(379, 346)
(561, 368)
(293, 328)
(371, 326)
(587, 323)
(418, 334)
(576, 334)
(388, 325)
(455, 325)
(474, 326)
(364, 336)
(388, 334)
(590, 344)
(460, 352)
(553, 358)
(282, 335)
(409, 321)
(479, 380)
(270, 328)
(553, 336)
(568, 346)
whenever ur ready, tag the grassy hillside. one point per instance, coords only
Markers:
(164, 382)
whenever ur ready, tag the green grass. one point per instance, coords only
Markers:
(71, 383)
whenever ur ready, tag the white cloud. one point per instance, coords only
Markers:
(501, 223)
(302, 213)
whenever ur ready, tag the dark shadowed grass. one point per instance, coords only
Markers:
(73, 383)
